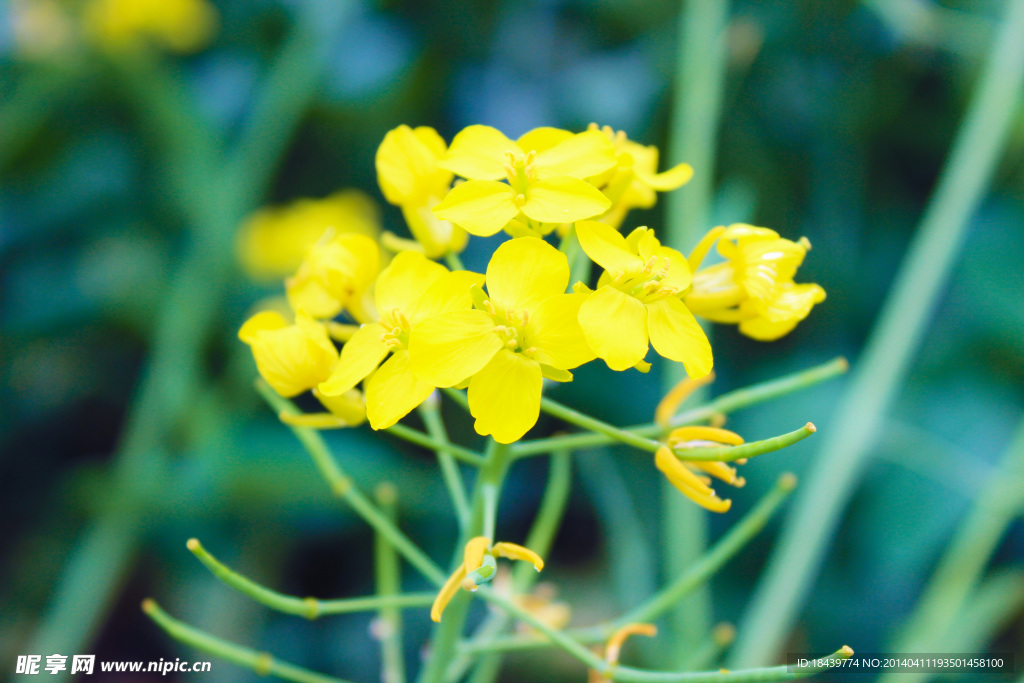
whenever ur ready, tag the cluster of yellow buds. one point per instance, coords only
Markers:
(409, 325)
(45, 28)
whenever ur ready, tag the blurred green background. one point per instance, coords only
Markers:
(129, 421)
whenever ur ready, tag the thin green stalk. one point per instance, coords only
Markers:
(431, 414)
(539, 539)
(710, 652)
(458, 396)
(549, 516)
(627, 674)
(559, 638)
(704, 568)
(420, 439)
(887, 357)
(723, 405)
(454, 261)
(721, 552)
(389, 584)
(100, 560)
(762, 675)
(968, 553)
(262, 663)
(747, 450)
(593, 424)
(693, 135)
(309, 608)
(487, 487)
(342, 486)
(632, 561)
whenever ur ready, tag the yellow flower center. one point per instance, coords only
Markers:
(510, 327)
(646, 285)
(520, 171)
(396, 330)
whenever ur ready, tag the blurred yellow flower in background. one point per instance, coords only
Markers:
(182, 26)
(274, 240)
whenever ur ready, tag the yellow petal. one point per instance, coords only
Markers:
(450, 347)
(540, 139)
(504, 396)
(701, 433)
(473, 554)
(615, 326)
(563, 200)
(435, 236)
(263, 321)
(480, 207)
(514, 551)
(553, 329)
(402, 283)
(675, 177)
(478, 153)
(407, 167)
(450, 292)
(295, 358)
(524, 271)
(678, 474)
(448, 591)
(668, 405)
(607, 248)
(393, 391)
(349, 407)
(359, 356)
(678, 276)
(676, 335)
(791, 304)
(581, 156)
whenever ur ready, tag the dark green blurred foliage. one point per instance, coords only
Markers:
(836, 123)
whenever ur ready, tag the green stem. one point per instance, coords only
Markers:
(389, 584)
(309, 608)
(762, 675)
(593, 424)
(723, 405)
(540, 538)
(454, 261)
(342, 486)
(261, 663)
(558, 638)
(627, 674)
(886, 360)
(431, 414)
(420, 439)
(698, 92)
(968, 553)
(698, 573)
(458, 396)
(747, 450)
(483, 512)
(721, 552)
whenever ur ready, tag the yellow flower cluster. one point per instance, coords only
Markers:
(409, 325)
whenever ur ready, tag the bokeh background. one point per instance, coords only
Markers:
(129, 422)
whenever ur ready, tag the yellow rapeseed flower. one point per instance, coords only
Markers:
(546, 185)
(478, 566)
(273, 241)
(634, 181)
(335, 276)
(292, 358)
(639, 298)
(177, 25)
(754, 286)
(410, 178)
(410, 290)
(526, 330)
